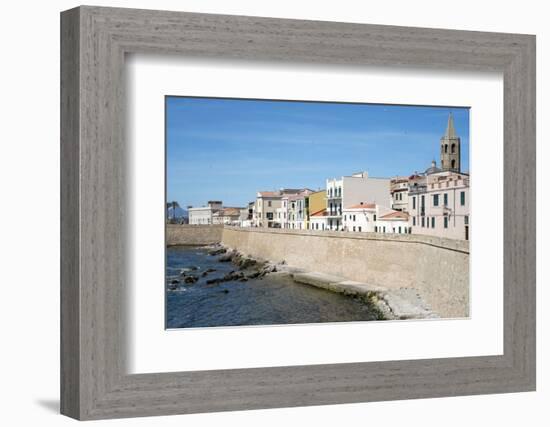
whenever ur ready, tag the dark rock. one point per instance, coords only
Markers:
(191, 279)
(226, 291)
(227, 257)
(216, 250)
(253, 275)
(174, 282)
(233, 275)
(243, 279)
(247, 263)
(173, 286)
(214, 281)
(210, 270)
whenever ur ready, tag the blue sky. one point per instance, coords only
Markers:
(227, 149)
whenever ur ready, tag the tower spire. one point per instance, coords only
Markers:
(450, 147)
(450, 132)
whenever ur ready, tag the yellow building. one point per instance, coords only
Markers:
(316, 202)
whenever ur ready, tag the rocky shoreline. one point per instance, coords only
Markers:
(400, 304)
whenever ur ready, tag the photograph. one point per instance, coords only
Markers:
(282, 212)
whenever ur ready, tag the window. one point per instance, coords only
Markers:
(433, 221)
(359, 228)
(374, 217)
(344, 217)
(375, 229)
(453, 148)
(414, 220)
(269, 203)
(354, 228)
(446, 148)
(269, 216)
(466, 220)
(462, 198)
(422, 199)
(414, 202)
(453, 162)
(445, 199)
(353, 218)
(436, 199)
(422, 221)
(445, 222)
(399, 230)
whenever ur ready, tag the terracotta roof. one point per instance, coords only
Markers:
(231, 211)
(322, 212)
(395, 215)
(269, 193)
(363, 206)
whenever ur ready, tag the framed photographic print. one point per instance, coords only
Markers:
(262, 213)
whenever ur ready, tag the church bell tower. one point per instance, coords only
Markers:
(450, 148)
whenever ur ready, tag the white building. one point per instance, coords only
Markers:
(352, 190)
(396, 222)
(204, 215)
(374, 218)
(360, 217)
(227, 216)
(318, 220)
(399, 189)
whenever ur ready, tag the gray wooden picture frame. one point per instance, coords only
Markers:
(94, 382)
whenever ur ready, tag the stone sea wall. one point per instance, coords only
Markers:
(193, 234)
(437, 268)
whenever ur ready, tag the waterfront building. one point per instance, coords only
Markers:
(440, 205)
(318, 220)
(316, 202)
(396, 222)
(281, 214)
(247, 213)
(439, 200)
(374, 218)
(302, 209)
(360, 217)
(267, 203)
(399, 190)
(352, 190)
(268, 206)
(204, 215)
(227, 216)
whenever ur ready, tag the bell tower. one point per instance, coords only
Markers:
(450, 147)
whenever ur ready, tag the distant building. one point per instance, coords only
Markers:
(352, 190)
(396, 222)
(227, 216)
(360, 217)
(374, 218)
(316, 202)
(268, 205)
(399, 190)
(245, 219)
(318, 220)
(204, 215)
